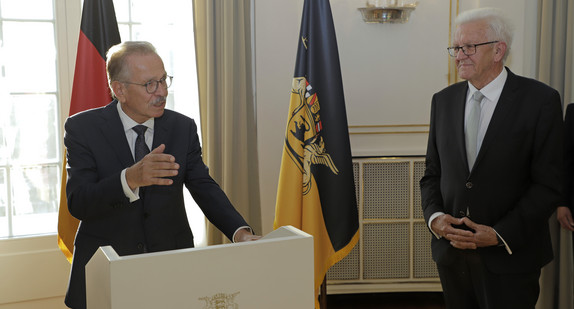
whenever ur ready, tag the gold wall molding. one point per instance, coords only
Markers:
(389, 129)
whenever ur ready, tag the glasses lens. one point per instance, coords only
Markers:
(469, 50)
(151, 86)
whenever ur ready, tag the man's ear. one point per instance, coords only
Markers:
(499, 51)
(119, 90)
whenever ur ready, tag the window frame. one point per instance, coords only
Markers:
(67, 16)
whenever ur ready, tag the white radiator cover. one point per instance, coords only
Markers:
(393, 253)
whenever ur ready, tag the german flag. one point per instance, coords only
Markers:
(98, 32)
(316, 191)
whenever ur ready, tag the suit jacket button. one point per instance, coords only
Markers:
(469, 185)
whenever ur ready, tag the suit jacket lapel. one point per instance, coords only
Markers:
(113, 130)
(160, 134)
(459, 108)
(499, 118)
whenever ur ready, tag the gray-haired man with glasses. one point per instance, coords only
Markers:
(493, 172)
(127, 165)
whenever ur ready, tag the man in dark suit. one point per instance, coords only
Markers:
(135, 204)
(493, 172)
(565, 211)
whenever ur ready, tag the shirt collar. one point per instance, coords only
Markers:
(129, 123)
(493, 90)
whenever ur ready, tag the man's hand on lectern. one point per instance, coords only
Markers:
(245, 235)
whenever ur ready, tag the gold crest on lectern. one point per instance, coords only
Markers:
(220, 301)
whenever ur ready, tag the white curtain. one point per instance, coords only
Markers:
(556, 68)
(223, 37)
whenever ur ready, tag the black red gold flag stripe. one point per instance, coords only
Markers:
(316, 191)
(98, 32)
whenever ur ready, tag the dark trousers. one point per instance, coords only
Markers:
(468, 284)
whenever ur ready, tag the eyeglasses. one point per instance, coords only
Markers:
(468, 49)
(151, 86)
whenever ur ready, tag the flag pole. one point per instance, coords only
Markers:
(323, 297)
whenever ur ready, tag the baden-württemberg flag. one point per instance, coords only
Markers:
(316, 191)
(98, 32)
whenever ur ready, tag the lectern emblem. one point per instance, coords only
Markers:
(220, 301)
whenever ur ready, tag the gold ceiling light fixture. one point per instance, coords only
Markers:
(387, 11)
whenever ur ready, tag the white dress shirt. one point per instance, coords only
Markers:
(131, 135)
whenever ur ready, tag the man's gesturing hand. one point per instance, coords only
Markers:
(152, 169)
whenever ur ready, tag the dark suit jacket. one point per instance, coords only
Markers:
(98, 151)
(568, 199)
(515, 183)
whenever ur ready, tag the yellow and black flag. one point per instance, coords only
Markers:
(316, 191)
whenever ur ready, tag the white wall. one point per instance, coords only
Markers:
(390, 72)
(33, 273)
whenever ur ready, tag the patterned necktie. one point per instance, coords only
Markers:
(471, 131)
(141, 148)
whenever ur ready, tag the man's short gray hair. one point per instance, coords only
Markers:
(116, 65)
(500, 27)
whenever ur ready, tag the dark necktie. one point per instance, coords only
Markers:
(141, 148)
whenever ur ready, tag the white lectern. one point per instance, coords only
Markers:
(273, 272)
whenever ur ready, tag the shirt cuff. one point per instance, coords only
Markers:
(132, 195)
(503, 242)
(434, 216)
(243, 227)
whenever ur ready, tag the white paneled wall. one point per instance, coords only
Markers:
(33, 273)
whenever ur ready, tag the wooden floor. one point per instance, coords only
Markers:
(409, 300)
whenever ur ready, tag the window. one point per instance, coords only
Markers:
(169, 27)
(30, 134)
(30, 156)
